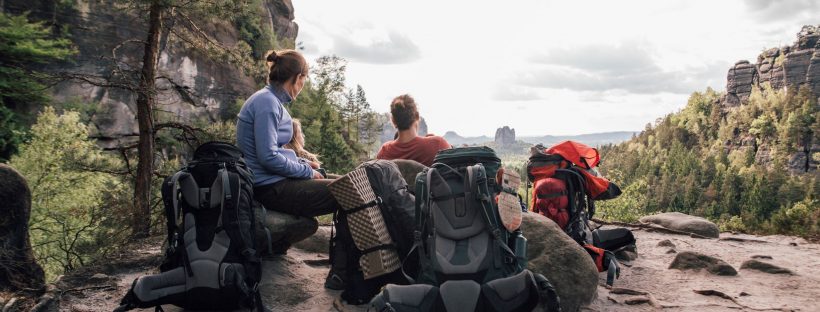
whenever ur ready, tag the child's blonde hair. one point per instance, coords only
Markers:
(297, 143)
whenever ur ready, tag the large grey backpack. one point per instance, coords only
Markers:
(468, 261)
(211, 262)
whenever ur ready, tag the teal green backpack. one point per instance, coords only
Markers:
(455, 197)
(467, 260)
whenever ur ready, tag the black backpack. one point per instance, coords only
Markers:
(210, 260)
(468, 260)
(396, 206)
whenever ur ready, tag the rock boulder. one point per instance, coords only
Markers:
(285, 230)
(319, 242)
(764, 267)
(688, 260)
(685, 223)
(18, 268)
(555, 255)
(409, 169)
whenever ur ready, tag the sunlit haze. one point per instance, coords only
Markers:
(544, 67)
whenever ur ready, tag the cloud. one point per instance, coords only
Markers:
(514, 93)
(396, 48)
(779, 10)
(629, 67)
(628, 57)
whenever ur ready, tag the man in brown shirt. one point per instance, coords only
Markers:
(408, 145)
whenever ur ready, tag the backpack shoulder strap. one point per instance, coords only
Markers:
(423, 195)
(483, 196)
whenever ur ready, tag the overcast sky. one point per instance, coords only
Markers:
(544, 67)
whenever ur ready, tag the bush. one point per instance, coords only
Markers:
(70, 192)
(802, 218)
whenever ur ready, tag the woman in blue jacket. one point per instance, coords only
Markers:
(282, 181)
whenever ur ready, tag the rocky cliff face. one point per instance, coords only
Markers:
(785, 67)
(788, 67)
(202, 89)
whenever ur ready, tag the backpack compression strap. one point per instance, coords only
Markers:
(170, 199)
(483, 195)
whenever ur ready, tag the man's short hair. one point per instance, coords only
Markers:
(404, 112)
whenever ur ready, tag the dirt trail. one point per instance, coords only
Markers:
(674, 289)
(294, 282)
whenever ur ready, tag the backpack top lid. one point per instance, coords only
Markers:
(461, 157)
(578, 154)
(217, 150)
(544, 163)
(465, 156)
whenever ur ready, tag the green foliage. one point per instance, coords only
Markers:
(629, 207)
(802, 218)
(706, 160)
(339, 124)
(23, 46)
(258, 34)
(71, 193)
(224, 131)
(12, 133)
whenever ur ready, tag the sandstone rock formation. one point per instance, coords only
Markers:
(688, 260)
(97, 27)
(788, 67)
(504, 136)
(18, 269)
(568, 267)
(785, 67)
(280, 16)
(683, 222)
(739, 82)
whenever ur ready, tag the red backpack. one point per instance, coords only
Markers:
(565, 188)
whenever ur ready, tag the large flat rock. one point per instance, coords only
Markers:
(684, 223)
(689, 260)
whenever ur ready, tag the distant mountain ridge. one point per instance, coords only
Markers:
(591, 139)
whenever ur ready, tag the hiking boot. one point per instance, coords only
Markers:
(334, 281)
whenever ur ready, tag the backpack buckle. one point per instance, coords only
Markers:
(509, 260)
(496, 234)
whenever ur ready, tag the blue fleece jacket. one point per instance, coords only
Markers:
(262, 128)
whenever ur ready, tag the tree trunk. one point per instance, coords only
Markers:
(145, 104)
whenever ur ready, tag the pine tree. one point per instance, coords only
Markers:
(24, 46)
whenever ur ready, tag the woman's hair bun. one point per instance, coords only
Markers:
(271, 56)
